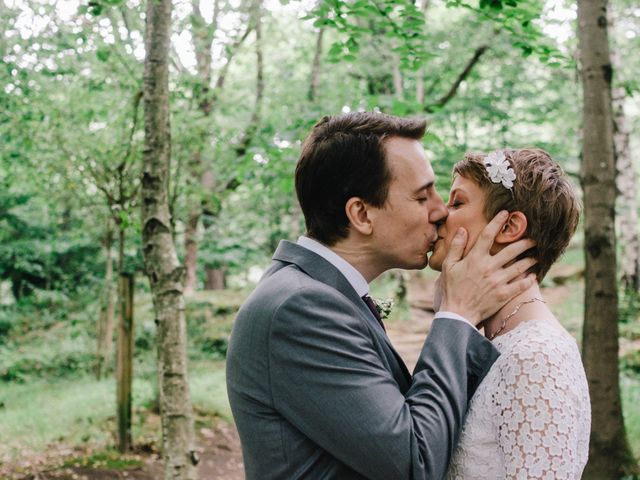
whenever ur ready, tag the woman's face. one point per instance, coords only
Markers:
(466, 209)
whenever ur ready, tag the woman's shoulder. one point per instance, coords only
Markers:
(538, 337)
(540, 351)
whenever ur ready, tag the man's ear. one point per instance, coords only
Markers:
(514, 229)
(358, 214)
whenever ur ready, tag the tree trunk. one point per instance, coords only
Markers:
(124, 364)
(609, 452)
(252, 127)
(105, 322)
(420, 86)
(398, 87)
(161, 261)
(191, 253)
(628, 196)
(314, 83)
(215, 279)
(202, 42)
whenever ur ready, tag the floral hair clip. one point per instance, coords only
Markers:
(499, 169)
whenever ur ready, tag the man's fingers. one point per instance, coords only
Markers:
(512, 251)
(489, 233)
(456, 249)
(517, 287)
(512, 272)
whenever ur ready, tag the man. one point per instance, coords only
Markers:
(316, 388)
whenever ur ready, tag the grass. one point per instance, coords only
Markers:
(630, 400)
(76, 410)
(42, 412)
(81, 411)
(209, 391)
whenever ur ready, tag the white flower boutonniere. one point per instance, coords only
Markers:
(499, 169)
(384, 307)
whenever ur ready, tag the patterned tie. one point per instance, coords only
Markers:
(372, 306)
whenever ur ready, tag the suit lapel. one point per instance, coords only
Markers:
(323, 271)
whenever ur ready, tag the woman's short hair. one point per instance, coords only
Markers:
(541, 190)
(344, 157)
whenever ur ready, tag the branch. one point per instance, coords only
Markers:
(315, 68)
(176, 62)
(231, 51)
(114, 48)
(252, 127)
(136, 105)
(442, 101)
(202, 34)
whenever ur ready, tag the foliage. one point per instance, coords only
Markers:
(71, 148)
(50, 336)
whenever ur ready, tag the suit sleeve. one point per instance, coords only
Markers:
(328, 380)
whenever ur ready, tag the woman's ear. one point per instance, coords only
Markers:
(514, 229)
(358, 214)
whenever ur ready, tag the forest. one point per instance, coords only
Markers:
(149, 147)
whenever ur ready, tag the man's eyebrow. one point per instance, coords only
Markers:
(426, 186)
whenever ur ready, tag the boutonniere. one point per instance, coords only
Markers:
(384, 307)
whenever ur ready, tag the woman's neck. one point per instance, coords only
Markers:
(526, 306)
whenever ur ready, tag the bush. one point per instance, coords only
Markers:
(49, 358)
(630, 363)
(216, 347)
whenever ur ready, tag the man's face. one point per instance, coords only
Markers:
(466, 209)
(404, 228)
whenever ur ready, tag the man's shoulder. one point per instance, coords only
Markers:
(283, 284)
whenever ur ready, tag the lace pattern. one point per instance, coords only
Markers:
(531, 416)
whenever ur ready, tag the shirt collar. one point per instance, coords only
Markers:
(353, 276)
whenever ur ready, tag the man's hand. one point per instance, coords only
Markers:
(478, 285)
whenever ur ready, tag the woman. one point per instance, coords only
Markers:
(530, 417)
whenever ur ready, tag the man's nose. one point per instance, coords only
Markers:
(439, 212)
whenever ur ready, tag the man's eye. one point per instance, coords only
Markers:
(422, 199)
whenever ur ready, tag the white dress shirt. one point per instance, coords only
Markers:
(353, 276)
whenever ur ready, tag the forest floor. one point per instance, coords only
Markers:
(220, 456)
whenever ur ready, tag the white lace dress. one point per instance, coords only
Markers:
(530, 417)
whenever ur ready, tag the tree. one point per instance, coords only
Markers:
(609, 454)
(199, 169)
(161, 261)
(626, 177)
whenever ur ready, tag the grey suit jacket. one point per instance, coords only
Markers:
(318, 391)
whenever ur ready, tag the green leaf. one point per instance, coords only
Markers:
(431, 137)
(103, 54)
(95, 8)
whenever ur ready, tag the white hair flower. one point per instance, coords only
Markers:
(499, 169)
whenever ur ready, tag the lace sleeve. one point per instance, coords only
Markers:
(538, 413)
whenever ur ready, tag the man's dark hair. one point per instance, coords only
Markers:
(344, 157)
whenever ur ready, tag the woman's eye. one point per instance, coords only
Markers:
(455, 204)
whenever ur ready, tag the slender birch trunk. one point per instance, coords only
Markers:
(161, 261)
(124, 363)
(191, 251)
(314, 82)
(609, 451)
(627, 182)
(105, 321)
